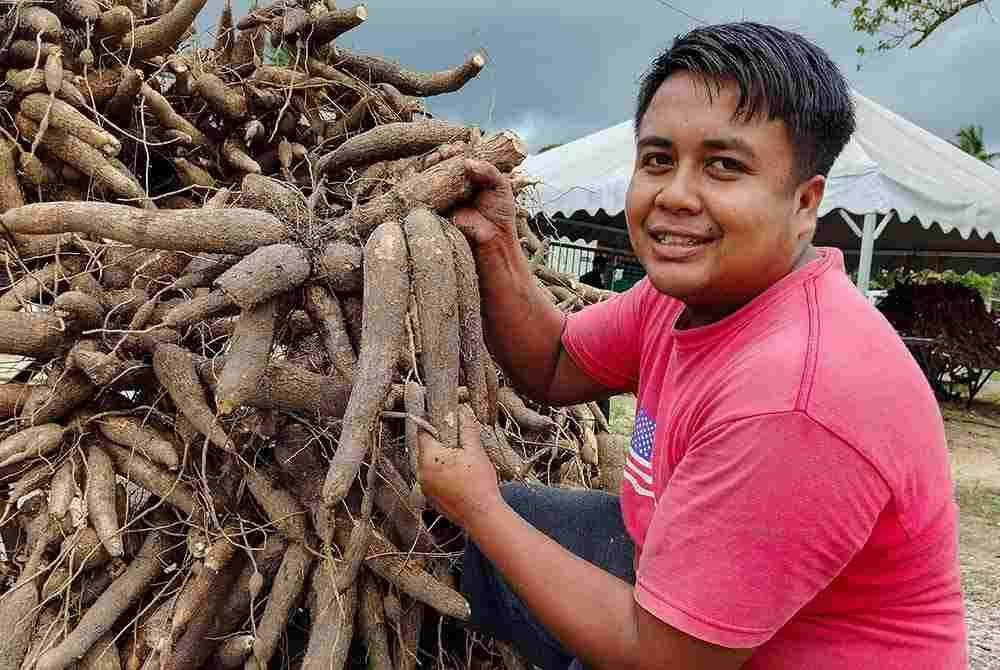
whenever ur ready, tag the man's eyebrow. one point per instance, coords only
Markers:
(654, 141)
(730, 144)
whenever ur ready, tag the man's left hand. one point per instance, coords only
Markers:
(460, 483)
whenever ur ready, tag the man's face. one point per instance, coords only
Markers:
(714, 212)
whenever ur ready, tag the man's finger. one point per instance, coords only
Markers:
(468, 427)
(425, 439)
(468, 221)
(482, 174)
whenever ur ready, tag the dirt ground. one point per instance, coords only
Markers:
(974, 443)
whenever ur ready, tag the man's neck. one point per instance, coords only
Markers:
(695, 316)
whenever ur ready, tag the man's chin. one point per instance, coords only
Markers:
(683, 289)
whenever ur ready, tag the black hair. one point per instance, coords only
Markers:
(781, 76)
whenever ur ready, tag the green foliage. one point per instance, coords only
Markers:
(278, 57)
(970, 140)
(985, 284)
(898, 22)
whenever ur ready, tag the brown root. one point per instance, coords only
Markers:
(436, 299)
(386, 295)
(292, 388)
(160, 36)
(332, 622)
(64, 117)
(193, 175)
(140, 470)
(221, 97)
(85, 158)
(335, 23)
(81, 311)
(525, 417)
(30, 334)
(225, 34)
(281, 507)
(50, 402)
(101, 616)
(267, 272)
(225, 231)
(10, 189)
(341, 267)
(377, 70)
(475, 357)
(249, 352)
(37, 20)
(324, 309)
(391, 141)
(167, 117)
(439, 188)
(285, 594)
(406, 574)
(101, 500)
(235, 153)
(131, 432)
(115, 21)
(80, 11)
(175, 368)
(371, 620)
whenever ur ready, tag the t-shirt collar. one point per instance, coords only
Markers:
(826, 258)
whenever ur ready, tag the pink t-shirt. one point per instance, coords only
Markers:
(788, 486)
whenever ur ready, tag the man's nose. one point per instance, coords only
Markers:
(678, 191)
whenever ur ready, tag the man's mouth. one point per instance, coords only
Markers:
(677, 240)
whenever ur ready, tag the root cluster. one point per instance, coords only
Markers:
(231, 296)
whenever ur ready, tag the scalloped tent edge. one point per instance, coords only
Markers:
(891, 169)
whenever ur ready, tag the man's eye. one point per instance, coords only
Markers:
(657, 160)
(726, 164)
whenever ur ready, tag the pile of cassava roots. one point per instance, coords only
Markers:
(231, 298)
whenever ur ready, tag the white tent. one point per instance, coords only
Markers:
(890, 168)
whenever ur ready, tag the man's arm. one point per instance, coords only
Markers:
(591, 612)
(522, 327)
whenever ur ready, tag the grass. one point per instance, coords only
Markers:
(979, 499)
(622, 415)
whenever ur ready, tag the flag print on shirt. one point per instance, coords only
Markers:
(638, 465)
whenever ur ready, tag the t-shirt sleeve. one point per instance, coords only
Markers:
(758, 517)
(604, 339)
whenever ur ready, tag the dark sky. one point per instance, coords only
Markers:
(560, 69)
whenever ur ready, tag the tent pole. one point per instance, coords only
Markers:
(867, 249)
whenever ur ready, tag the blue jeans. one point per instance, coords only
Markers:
(587, 523)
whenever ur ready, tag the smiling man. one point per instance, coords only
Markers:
(787, 500)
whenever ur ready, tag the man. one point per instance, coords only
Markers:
(596, 276)
(787, 496)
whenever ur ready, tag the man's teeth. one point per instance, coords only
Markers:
(678, 240)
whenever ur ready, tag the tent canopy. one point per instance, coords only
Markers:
(889, 166)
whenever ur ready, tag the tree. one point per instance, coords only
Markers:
(896, 22)
(970, 140)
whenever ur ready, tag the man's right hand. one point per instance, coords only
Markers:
(490, 217)
(522, 326)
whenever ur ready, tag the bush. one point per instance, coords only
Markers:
(966, 341)
(984, 284)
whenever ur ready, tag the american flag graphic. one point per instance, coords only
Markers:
(638, 465)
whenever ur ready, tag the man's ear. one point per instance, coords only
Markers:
(808, 196)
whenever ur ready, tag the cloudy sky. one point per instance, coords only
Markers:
(559, 69)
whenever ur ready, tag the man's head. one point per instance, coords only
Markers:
(600, 263)
(737, 126)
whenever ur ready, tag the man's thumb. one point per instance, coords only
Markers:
(468, 426)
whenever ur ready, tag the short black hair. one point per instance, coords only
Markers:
(781, 76)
